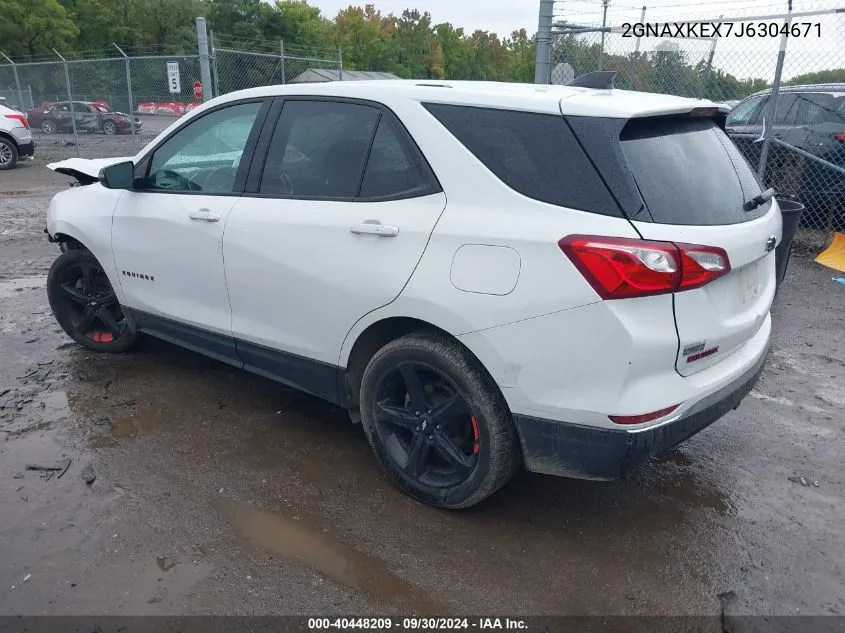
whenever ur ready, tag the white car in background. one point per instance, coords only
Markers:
(15, 137)
(487, 276)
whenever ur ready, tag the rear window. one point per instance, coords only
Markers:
(689, 172)
(534, 154)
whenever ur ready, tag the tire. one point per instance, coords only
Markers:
(109, 128)
(48, 126)
(8, 154)
(84, 304)
(490, 451)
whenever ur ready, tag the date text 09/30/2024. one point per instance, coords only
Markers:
(417, 624)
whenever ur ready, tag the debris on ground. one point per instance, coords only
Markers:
(67, 465)
(42, 467)
(804, 481)
(88, 474)
(153, 600)
(49, 470)
(839, 280)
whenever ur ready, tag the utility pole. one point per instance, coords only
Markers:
(771, 114)
(544, 42)
(604, 4)
(205, 68)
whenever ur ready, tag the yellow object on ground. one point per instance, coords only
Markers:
(834, 255)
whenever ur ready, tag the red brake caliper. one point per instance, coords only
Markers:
(475, 447)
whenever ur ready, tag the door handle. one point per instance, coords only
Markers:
(205, 215)
(374, 227)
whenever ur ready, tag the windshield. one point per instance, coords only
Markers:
(689, 172)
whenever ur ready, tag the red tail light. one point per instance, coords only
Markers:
(621, 268)
(19, 117)
(645, 417)
(839, 137)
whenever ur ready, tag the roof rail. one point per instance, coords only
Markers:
(601, 79)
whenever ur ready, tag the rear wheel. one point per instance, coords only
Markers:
(109, 128)
(84, 304)
(437, 421)
(48, 126)
(8, 154)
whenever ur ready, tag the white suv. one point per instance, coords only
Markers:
(15, 137)
(488, 276)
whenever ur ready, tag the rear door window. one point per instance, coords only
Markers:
(395, 169)
(689, 172)
(532, 153)
(318, 149)
(821, 107)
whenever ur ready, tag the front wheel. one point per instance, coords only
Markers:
(48, 126)
(109, 128)
(437, 422)
(85, 305)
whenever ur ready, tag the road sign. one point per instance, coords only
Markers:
(197, 90)
(173, 81)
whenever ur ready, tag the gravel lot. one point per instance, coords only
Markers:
(221, 492)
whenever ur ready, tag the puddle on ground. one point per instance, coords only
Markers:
(298, 541)
(9, 287)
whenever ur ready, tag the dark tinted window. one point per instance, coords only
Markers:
(318, 149)
(535, 154)
(393, 169)
(689, 172)
(821, 107)
(787, 110)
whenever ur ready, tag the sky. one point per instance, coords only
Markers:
(743, 57)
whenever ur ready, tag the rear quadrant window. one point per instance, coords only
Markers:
(535, 154)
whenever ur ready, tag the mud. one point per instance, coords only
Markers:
(221, 492)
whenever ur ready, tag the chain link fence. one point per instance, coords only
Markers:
(805, 133)
(113, 106)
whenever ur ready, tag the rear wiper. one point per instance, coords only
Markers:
(763, 198)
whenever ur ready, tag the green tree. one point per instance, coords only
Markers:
(820, 77)
(34, 27)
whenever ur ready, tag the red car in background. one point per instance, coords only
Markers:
(90, 116)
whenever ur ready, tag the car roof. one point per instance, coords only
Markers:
(569, 100)
(831, 87)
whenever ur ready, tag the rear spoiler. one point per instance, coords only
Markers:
(600, 80)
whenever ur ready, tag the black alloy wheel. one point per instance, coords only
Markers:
(85, 305)
(437, 421)
(426, 425)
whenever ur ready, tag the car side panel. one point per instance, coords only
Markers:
(483, 212)
(85, 214)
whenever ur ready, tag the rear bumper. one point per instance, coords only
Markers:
(588, 452)
(26, 149)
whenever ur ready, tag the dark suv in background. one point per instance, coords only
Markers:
(811, 118)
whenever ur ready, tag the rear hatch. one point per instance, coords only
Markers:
(694, 183)
(680, 179)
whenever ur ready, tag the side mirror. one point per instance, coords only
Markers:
(119, 176)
